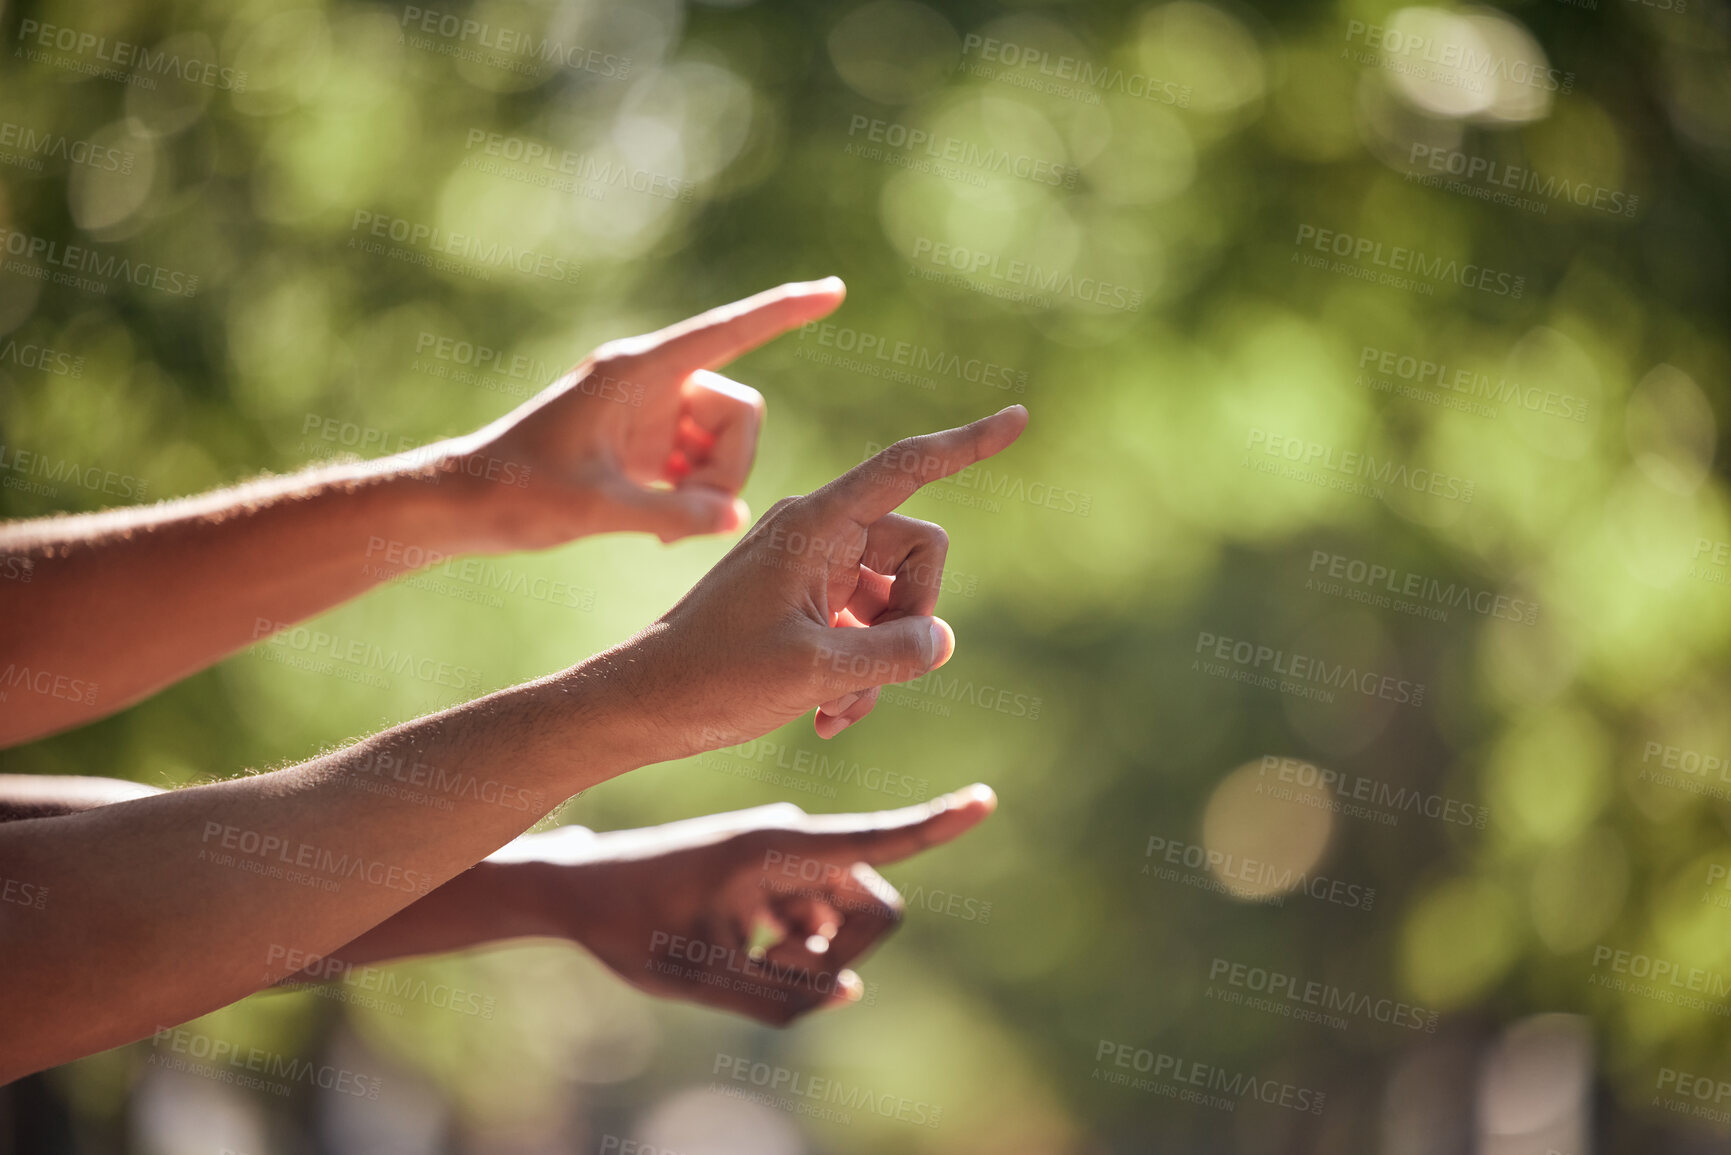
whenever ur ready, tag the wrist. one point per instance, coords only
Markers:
(470, 496)
(413, 509)
(548, 884)
(617, 694)
(495, 500)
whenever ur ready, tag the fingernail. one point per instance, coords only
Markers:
(1007, 408)
(841, 706)
(850, 985)
(817, 944)
(942, 644)
(979, 792)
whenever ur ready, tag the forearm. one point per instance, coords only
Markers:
(509, 894)
(49, 795)
(169, 906)
(121, 603)
(493, 901)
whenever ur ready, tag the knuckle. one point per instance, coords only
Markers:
(898, 453)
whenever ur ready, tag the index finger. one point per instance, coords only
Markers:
(877, 485)
(710, 340)
(892, 835)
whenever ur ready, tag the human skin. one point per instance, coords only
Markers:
(641, 435)
(675, 910)
(168, 906)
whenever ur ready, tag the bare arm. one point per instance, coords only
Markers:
(47, 795)
(168, 906)
(744, 896)
(124, 602)
(501, 897)
(121, 603)
(165, 907)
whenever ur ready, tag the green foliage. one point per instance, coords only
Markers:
(1290, 387)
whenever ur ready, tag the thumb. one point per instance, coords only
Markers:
(671, 514)
(894, 651)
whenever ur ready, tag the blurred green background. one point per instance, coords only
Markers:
(1390, 339)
